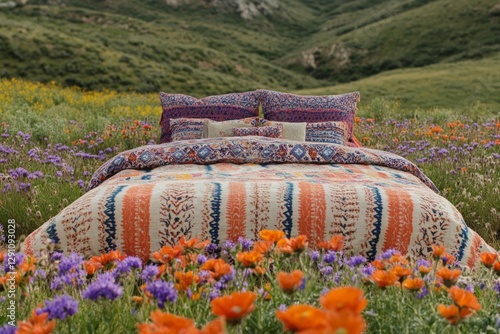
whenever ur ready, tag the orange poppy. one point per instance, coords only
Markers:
(290, 283)
(448, 276)
(249, 259)
(259, 270)
(216, 326)
(167, 323)
(464, 299)
(450, 313)
(92, 267)
(166, 254)
(185, 280)
(447, 258)
(401, 272)
(345, 321)
(437, 251)
(291, 245)
(36, 324)
(263, 247)
(347, 297)
(496, 267)
(235, 306)
(217, 268)
(302, 317)
(413, 284)
(336, 243)
(488, 259)
(424, 270)
(378, 264)
(384, 278)
(272, 235)
(109, 257)
(192, 243)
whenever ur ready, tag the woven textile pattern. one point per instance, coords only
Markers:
(187, 128)
(274, 131)
(285, 107)
(220, 189)
(327, 132)
(218, 108)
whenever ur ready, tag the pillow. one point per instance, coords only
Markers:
(327, 132)
(284, 107)
(225, 129)
(291, 131)
(217, 107)
(187, 128)
(273, 131)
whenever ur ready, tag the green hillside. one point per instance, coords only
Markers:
(457, 85)
(203, 47)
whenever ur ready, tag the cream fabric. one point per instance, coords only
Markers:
(292, 131)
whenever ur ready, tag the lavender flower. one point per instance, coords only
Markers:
(246, 244)
(18, 259)
(70, 262)
(162, 292)
(423, 293)
(329, 257)
(104, 286)
(60, 307)
(356, 261)
(314, 255)
(8, 329)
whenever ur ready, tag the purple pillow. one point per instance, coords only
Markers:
(272, 131)
(284, 107)
(327, 132)
(218, 108)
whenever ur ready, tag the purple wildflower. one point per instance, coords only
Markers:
(104, 286)
(60, 307)
(282, 307)
(56, 256)
(423, 293)
(162, 292)
(368, 270)
(201, 259)
(149, 273)
(329, 257)
(81, 183)
(389, 253)
(356, 261)
(327, 271)
(246, 244)
(314, 255)
(18, 259)
(70, 262)
(8, 329)
(125, 267)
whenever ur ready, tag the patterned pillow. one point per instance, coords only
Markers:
(291, 131)
(327, 132)
(217, 107)
(277, 106)
(187, 128)
(225, 129)
(273, 131)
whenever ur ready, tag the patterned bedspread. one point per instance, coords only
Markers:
(221, 189)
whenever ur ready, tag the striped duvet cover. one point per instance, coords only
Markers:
(224, 188)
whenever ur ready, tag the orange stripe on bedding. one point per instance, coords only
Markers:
(236, 210)
(476, 243)
(312, 211)
(135, 221)
(400, 220)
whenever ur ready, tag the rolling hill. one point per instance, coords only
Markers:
(203, 47)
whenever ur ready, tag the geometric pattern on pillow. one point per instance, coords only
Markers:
(327, 132)
(272, 131)
(285, 107)
(218, 108)
(187, 128)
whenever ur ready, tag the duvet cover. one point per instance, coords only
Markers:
(223, 188)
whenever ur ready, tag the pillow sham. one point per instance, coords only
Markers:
(187, 128)
(218, 107)
(291, 131)
(214, 129)
(272, 131)
(285, 107)
(327, 132)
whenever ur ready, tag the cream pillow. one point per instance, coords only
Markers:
(291, 131)
(214, 129)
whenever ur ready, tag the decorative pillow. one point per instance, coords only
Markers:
(291, 131)
(217, 108)
(273, 131)
(225, 129)
(187, 128)
(283, 107)
(327, 132)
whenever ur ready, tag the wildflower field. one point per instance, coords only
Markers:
(53, 138)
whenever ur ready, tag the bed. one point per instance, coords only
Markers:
(222, 188)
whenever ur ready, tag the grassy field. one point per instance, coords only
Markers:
(45, 162)
(148, 46)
